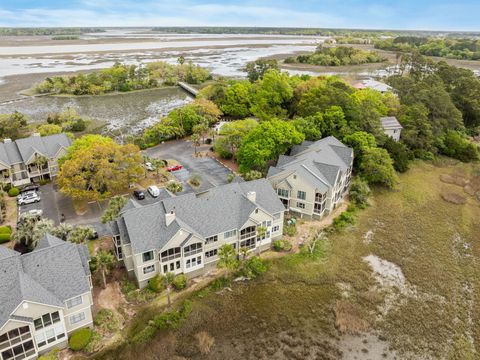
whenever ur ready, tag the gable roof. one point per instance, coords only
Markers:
(318, 163)
(390, 123)
(22, 150)
(220, 209)
(51, 274)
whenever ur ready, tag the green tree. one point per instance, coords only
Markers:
(49, 129)
(271, 95)
(237, 100)
(227, 258)
(235, 131)
(399, 153)
(257, 69)
(13, 126)
(168, 281)
(360, 141)
(95, 171)
(265, 143)
(62, 231)
(115, 205)
(308, 127)
(377, 167)
(453, 144)
(80, 234)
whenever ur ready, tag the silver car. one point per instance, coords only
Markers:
(28, 198)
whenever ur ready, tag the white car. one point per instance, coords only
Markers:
(28, 198)
(154, 191)
(149, 166)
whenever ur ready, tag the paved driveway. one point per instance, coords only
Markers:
(212, 172)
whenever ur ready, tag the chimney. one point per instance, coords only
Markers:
(7, 140)
(169, 217)
(252, 196)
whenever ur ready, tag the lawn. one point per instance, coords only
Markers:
(421, 303)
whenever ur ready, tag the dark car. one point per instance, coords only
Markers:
(139, 194)
(31, 187)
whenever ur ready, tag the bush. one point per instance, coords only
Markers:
(5, 237)
(80, 339)
(252, 175)
(230, 177)
(5, 229)
(44, 181)
(180, 282)
(13, 192)
(106, 320)
(156, 284)
(195, 180)
(359, 192)
(344, 219)
(253, 267)
(51, 355)
(290, 230)
(174, 187)
(455, 145)
(282, 245)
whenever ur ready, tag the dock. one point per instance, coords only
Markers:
(191, 90)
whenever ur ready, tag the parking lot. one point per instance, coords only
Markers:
(212, 172)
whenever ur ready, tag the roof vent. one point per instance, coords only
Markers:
(252, 196)
(7, 140)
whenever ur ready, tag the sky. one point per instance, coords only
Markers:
(461, 15)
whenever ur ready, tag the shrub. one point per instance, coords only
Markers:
(144, 335)
(195, 180)
(455, 145)
(252, 175)
(344, 219)
(290, 230)
(156, 284)
(13, 192)
(180, 282)
(230, 177)
(51, 355)
(174, 187)
(5, 229)
(359, 192)
(254, 267)
(5, 237)
(44, 181)
(205, 342)
(106, 320)
(80, 339)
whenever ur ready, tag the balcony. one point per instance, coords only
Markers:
(34, 171)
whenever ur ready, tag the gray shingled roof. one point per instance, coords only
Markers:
(51, 274)
(21, 150)
(390, 123)
(318, 162)
(218, 210)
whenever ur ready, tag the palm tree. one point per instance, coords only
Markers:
(105, 261)
(227, 258)
(62, 231)
(261, 231)
(31, 230)
(40, 162)
(195, 139)
(158, 163)
(80, 234)
(168, 282)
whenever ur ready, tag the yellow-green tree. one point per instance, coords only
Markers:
(96, 168)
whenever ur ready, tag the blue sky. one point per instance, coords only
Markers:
(387, 14)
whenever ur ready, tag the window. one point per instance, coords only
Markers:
(148, 269)
(177, 265)
(38, 324)
(74, 302)
(211, 239)
(248, 244)
(50, 333)
(172, 267)
(148, 256)
(300, 205)
(275, 228)
(194, 262)
(47, 320)
(250, 231)
(192, 249)
(40, 339)
(165, 268)
(171, 254)
(55, 317)
(282, 193)
(230, 234)
(211, 253)
(77, 318)
(301, 195)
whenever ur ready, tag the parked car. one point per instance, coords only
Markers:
(154, 191)
(139, 194)
(174, 167)
(35, 212)
(149, 166)
(28, 188)
(28, 198)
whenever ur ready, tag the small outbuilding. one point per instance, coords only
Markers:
(391, 127)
